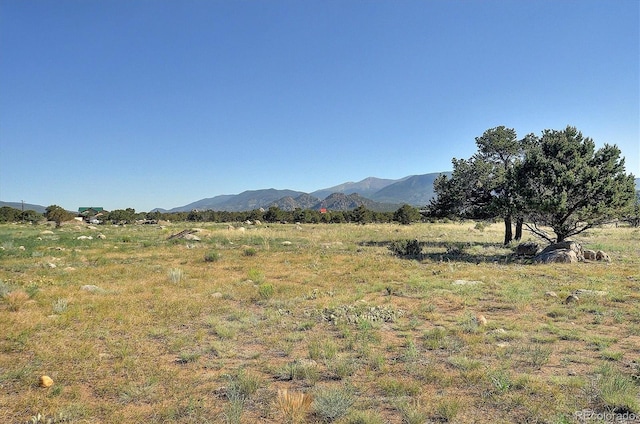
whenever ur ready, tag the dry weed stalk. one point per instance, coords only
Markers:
(293, 405)
(16, 299)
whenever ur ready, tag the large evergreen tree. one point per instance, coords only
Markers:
(569, 186)
(484, 185)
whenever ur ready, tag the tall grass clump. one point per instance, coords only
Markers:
(16, 299)
(331, 403)
(212, 256)
(293, 406)
(175, 275)
(614, 391)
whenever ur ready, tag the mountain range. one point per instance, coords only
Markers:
(374, 193)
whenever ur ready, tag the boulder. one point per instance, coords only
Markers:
(566, 245)
(529, 248)
(557, 256)
(602, 256)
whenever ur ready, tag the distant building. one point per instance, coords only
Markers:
(90, 214)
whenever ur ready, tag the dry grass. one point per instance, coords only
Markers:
(293, 406)
(168, 335)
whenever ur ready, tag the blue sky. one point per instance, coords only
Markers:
(144, 104)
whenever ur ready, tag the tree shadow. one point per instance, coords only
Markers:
(448, 251)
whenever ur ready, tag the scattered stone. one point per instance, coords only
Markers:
(550, 294)
(230, 227)
(102, 236)
(286, 243)
(589, 254)
(92, 227)
(466, 283)
(46, 232)
(502, 344)
(242, 229)
(482, 321)
(51, 265)
(216, 295)
(69, 269)
(21, 248)
(602, 256)
(529, 248)
(45, 381)
(191, 237)
(257, 222)
(84, 238)
(572, 298)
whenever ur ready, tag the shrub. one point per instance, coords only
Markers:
(406, 248)
(60, 305)
(331, 403)
(212, 256)
(250, 251)
(265, 291)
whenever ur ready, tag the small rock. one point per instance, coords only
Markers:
(45, 381)
(550, 294)
(589, 254)
(482, 321)
(84, 238)
(286, 243)
(102, 236)
(216, 295)
(572, 298)
(21, 248)
(602, 256)
(51, 265)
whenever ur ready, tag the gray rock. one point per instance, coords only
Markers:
(566, 245)
(557, 256)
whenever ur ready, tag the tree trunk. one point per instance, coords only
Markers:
(519, 224)
(508, 232)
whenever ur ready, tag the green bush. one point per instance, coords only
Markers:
(406, 248)
(265, 291)
(212, 256)
(331, 403)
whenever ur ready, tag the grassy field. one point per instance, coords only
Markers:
(313, 324)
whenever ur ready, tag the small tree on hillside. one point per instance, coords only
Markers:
(567, 185)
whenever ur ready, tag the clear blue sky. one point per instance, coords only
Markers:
(155, 103)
